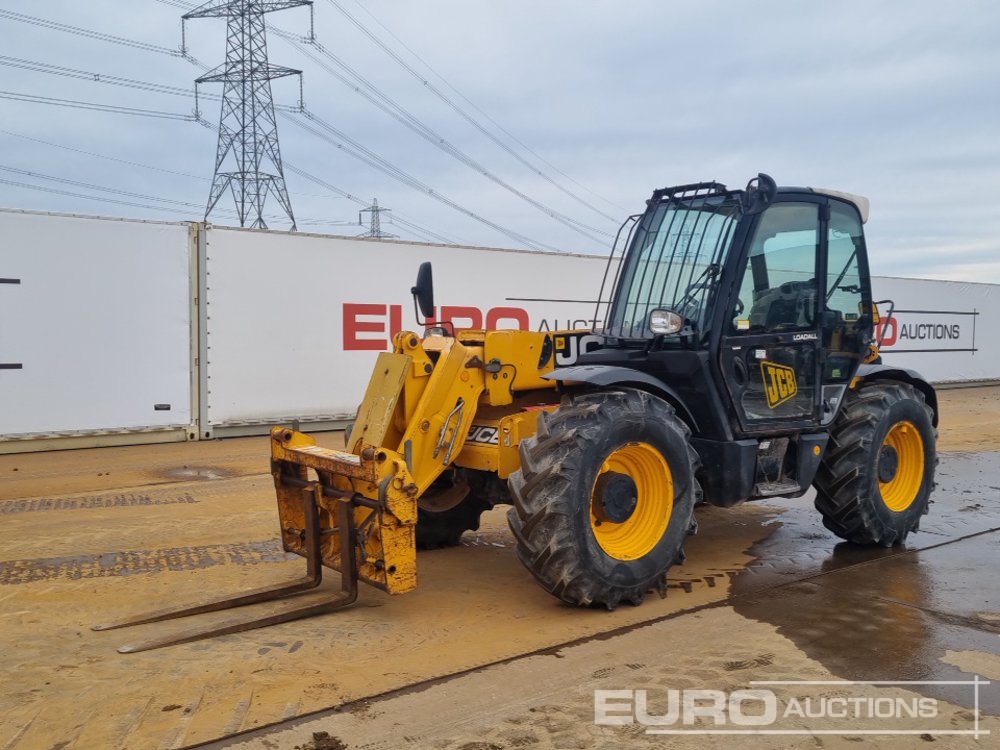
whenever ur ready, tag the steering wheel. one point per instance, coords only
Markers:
(801, 295)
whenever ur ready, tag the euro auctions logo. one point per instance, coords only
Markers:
(790, 707)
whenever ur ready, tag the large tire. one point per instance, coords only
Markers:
(444, 528)
(876, 478)
(573, 502)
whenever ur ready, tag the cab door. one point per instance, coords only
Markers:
(847, 324)
(770, 352)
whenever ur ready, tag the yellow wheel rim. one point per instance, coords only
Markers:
(900, 466)
(648, 513)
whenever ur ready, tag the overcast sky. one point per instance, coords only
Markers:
(897, 101)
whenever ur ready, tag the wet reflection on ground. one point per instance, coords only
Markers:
(891, 614)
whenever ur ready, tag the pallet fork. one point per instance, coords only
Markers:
(360, 535)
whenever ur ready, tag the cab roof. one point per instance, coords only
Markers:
(860, 202)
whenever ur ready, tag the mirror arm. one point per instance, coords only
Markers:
(416, 309)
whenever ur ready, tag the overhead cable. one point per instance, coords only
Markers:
(468, 117)
(116, 109)
(365, 88)
(361, 153)
(411, 225)
(113, 39)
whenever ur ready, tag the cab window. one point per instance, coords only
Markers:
(778, 289)
(847, 319)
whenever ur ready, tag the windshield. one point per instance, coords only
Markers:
(673, 262)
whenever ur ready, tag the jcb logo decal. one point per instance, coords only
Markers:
(484, 434)
(779, 383)
(569, 347)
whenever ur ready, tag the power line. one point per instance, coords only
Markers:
(401, 115)
(112, 80)
(103, 156)
(117, 81)
(412, 226)
(116, 109)
(113, 108)
(89, 33)
(386, 104)
(369, 157)
(139, 165)
(93, 77)
(177, 4)
(88, 105)
(466, 116)
(92, 186)
(184, 206)
(115, 201)
(56, 191)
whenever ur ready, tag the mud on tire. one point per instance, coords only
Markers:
(847, 484)
(552, 495)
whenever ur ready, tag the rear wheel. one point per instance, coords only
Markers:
(604, 497)
(876, 479)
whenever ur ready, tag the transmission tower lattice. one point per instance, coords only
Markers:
(248, 159)
(375, 221)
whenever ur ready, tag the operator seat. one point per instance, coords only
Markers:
(791, 304)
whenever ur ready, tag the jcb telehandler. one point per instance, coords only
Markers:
(733, 356)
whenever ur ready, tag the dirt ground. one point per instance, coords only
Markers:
(478, 658)
(970, 419)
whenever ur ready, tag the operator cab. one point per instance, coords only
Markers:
(760, 297)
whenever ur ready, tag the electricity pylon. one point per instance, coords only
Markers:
(248, 158)
(375, 222)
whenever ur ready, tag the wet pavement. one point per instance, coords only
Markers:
(877, 614)
(927, 611)
(766, 593)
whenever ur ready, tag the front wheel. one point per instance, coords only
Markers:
(441, 522)
(604, 497)
(875, 482)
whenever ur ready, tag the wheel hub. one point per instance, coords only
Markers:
(617, 496)
(888, 463)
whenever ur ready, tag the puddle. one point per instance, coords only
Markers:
(890, 614)
(187, 473)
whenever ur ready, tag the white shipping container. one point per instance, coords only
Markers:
(103, 334)
(98, 325)
(295, 320)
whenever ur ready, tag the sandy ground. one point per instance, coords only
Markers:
(478, 658)
(970, 419)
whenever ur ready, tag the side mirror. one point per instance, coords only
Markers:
(423, 291)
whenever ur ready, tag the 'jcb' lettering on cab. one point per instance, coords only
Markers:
(779, 383)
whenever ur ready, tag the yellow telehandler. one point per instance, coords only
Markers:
(733, 356)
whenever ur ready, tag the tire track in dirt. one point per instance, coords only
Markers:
(120, 500)
(133, 562)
